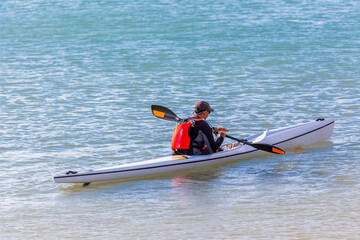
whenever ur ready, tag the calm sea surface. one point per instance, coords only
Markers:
(77, 79)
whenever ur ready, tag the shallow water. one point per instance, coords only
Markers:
(77, 80)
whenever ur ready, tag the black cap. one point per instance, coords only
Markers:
(202, 106)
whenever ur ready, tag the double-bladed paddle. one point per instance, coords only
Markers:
(166, 114)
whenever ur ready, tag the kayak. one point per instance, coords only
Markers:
(285, 138)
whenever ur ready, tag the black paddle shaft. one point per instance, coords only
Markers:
(262, 146)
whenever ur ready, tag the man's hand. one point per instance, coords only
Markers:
(222, 134)
(220, 129)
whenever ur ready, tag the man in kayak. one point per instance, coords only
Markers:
(195, 135)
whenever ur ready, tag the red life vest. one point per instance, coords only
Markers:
(181, 138)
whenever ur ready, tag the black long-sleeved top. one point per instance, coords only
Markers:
(202, 127)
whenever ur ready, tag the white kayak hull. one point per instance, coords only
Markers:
(285, 138)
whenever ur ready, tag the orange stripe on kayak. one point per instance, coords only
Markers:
(180, 157)
(158, 114)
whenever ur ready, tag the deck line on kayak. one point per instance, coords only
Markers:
(305, 133)
(145, 168)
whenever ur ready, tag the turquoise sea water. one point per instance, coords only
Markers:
(77, 79)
